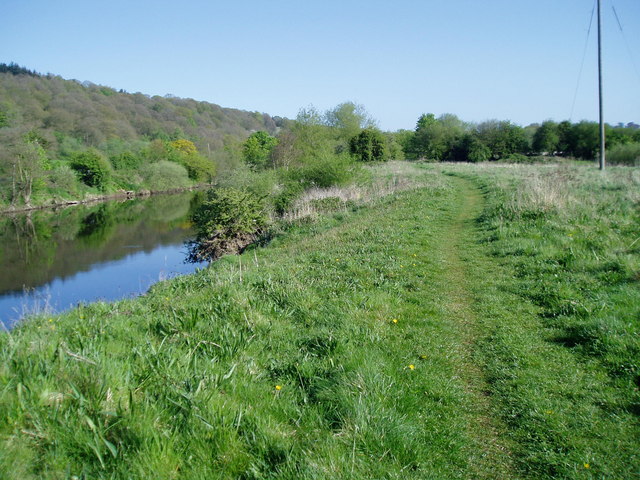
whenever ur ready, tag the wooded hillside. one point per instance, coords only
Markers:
(47, 121)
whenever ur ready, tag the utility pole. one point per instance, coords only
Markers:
(602, 159)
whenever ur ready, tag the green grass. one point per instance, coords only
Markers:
(472, 380)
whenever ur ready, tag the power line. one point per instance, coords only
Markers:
(584, 55)
(626, 43)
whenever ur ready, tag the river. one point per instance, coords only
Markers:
(51, 260)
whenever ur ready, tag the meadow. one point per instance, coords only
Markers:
(436, 321)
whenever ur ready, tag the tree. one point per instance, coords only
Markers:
(470, 149)
(184, 152)
(29, 161)
(546, 138)
(257, 148)
(369, 146)
(435, 138)
(502, 138)
(92, 168)
(348, 119)
(184, 146)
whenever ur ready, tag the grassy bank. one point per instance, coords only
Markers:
(561, 314)
(401, 339)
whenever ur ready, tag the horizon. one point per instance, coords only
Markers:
(478, 62)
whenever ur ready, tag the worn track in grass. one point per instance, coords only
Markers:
(458, 243)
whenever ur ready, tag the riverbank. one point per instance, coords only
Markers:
(416, 336)
(93, 199)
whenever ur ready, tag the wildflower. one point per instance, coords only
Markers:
(423, 357)
(586, 465)
(278, 387)
(549, 412)
(395, 320)
(412, 367)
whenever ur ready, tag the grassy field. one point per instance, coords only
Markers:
(474, 322)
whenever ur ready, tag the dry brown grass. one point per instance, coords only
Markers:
(387, 179)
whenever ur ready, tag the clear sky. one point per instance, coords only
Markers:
(516, 60)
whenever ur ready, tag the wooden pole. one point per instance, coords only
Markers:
(602, 153)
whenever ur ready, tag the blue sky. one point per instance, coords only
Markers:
(506, 59)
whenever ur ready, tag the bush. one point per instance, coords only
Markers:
(628, 154)
(126, 161)
(229, 212)
(284, 200)
(199, 168)
(516, 158)
(63, 178)
(369, 146)
(257, 148)
(165, 175)
(325, 171)
(92, 168)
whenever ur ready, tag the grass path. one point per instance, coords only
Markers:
(458, 242)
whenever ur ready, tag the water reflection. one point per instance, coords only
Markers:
(59, 258)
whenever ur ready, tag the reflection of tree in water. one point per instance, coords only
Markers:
(97, 227)
(37, 247)
(33, 239)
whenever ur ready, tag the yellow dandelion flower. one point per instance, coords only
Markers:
(412, 367)
(586, 465)
(395, 320)
(278, 387)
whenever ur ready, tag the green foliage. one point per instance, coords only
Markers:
(127, 161)
(324, 171)
(228, 212)
(164, 175)
(470, 149)
(184, 152)
(257, 149)
(435, 139)
(63, 180)
(285, 198)
(546, 138)
(23, 165)
(347, 119)
(502, 138)
(199, 168)
(516, 158)
(92, 168)
(185, 147)
(4, 118)
(369, 146)
(583, 140)
(627, 154)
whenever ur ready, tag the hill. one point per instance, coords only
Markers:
(48, 116)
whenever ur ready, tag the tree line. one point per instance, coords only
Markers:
(447, 138)
(62, 139)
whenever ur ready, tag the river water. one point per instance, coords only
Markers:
(53, 260)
